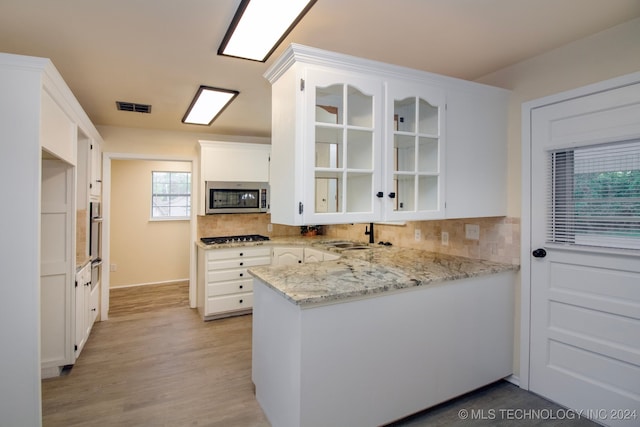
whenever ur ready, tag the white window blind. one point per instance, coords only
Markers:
(171, 195)
(594, 197)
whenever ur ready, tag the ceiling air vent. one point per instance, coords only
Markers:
(133, 107)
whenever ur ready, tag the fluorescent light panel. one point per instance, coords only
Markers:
(208, 104)
(259, 26)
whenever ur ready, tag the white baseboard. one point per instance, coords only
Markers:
(513, 379)
(50, 372)
(165, 282)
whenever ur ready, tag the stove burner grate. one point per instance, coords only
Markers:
(233, 239)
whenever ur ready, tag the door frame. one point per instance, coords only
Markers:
(525, 237)
(106, 225)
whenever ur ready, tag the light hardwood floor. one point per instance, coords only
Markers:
(156, 363)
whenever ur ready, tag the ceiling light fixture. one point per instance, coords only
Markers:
(207, 105)
(259, 26)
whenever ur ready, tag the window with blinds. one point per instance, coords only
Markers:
(171, 195)
(594, 197)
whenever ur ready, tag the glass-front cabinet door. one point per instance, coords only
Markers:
(344, 155)
(415, 152)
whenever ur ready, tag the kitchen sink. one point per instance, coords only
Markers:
(347, 245)
(351, 246)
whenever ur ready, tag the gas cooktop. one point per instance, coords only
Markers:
(233, 239)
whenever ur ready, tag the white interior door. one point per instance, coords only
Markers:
(585, 286)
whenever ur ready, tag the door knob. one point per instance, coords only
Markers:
(539, 253)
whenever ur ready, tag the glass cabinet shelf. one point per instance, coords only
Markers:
(344, 149)
(416, 155)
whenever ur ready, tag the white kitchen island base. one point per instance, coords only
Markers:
(370, 361)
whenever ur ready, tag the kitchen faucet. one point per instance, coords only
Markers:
(368, 231)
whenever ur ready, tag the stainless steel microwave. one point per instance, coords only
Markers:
(236, 197)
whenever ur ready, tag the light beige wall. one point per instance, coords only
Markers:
(161, 142)
(605, 55)
(144, 251)
(610, 53)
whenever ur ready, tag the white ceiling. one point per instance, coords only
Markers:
(159, 52)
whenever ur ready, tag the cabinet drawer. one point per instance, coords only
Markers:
(244, 252)
(229, 303)
(227, 275)
(237, 262)
(225, 288)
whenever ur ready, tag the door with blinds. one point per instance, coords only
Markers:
(585, 268)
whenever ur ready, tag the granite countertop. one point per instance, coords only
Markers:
(366, 272)
(362, 272)
(81, 261)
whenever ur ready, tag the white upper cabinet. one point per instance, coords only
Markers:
(234, 161)
(355, 140)
(95, 184)
(414, 153)
(476, 151)
(57, 130)
(342, 170)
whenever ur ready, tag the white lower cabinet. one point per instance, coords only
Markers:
(298, 255)
(87, 298)
(287, 256)
(446, 339)
(224, 286)
(315, 255)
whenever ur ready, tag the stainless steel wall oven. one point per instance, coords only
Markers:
(95, 242)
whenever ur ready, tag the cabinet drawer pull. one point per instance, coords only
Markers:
(241, 254)
(240, 301)
(241, 286)
(241, 264)
(241, 274)
(392, 195)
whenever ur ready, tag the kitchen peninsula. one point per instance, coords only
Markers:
(377, 335)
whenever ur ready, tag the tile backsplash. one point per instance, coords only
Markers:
(82, 237)
(499, 238)
(236, 224)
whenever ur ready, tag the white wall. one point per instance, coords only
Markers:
(20, 247)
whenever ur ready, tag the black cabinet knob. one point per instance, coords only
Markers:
(242, 263)
(241, 274)
(240, 301)
(392, 195)
(379, 194)
(241, 286)
(299, 261)
(241, 254)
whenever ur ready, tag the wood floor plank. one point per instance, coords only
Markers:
(156, 363)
